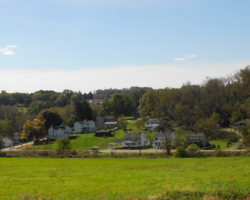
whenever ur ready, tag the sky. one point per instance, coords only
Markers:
(85, 45)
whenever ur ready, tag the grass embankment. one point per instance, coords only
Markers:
(123, 178)
(80, 142)
(222, 143)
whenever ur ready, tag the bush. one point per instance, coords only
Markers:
(194, 150)
(181, 152)
(220, 153)
(61, 145)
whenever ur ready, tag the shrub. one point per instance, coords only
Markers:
(194, 150)
(181, 152)
(61, 145)
(219, 153)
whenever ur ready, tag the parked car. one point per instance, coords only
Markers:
(207, 148)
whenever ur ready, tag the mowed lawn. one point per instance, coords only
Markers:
(83, 140)
(222, 143)
(91, 141)
(112, 178)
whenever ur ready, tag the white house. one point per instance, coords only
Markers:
(81, 126)
(160, 137)
(8, 141)
(135, 140)
(152, 124)
(56, 132)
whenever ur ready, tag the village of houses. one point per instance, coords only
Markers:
(103, 128)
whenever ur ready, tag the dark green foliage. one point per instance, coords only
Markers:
(246, 141)
(181, 152)
(217, 102)
(194, 150)
(83, 111)
(49, 117)
(120, 104)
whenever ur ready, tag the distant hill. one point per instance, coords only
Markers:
(107, 93)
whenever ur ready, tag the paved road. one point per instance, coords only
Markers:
(18, 147)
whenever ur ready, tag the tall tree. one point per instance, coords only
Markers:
(83, 111)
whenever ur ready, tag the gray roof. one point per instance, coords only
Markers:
(194, 134)
(165, 134)
(130, 134)
(85, 122)
(57, 127)
(244, 122)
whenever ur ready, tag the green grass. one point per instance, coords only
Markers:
(130, 118)
(80, 142)
(121, 178)
(222, 143)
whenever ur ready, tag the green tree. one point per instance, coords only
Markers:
(61, 145)
(83, 111)
(167, 144)
(122, 122)
(139, 124)
(181, 152)
(193, 150)
(41, 123)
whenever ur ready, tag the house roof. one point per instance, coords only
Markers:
(10, 138)
(195, 140)
(244, 122)
(164, 134)
(130, 142)
(85, 122)
(57, 127)
(194, 135)
(131, 134)
(154, 120)
(110, 123)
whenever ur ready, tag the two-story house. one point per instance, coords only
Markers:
(135, 140)
(56, 132)
(152, 124)
(160, 137)
(84, 126)
(200, 139)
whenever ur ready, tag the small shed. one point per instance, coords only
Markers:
(102, 133)
(96, 149)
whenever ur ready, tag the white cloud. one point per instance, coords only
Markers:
(191, 56)
(90, 79)
(7, 50)
(179, 59)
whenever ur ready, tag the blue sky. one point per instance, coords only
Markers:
(95, 44)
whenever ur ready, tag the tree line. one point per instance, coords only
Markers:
(216, 101)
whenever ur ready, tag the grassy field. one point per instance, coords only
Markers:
(222, 143)
(130, 178)
(80, 142)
